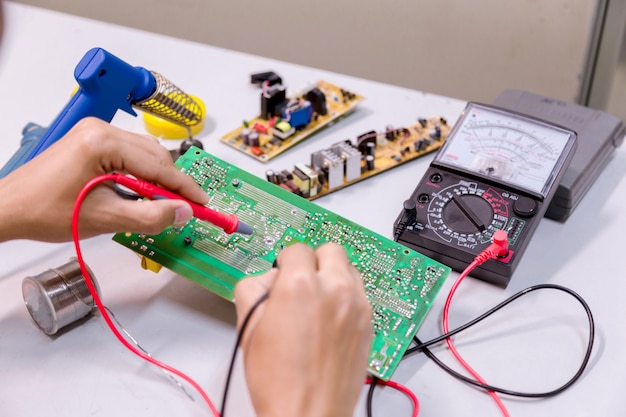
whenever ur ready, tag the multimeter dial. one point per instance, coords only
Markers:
(465, 211)
(497, 170)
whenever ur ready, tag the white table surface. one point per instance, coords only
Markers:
(533, 345)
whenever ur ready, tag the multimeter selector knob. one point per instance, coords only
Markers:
(468, 214)
(525, 207)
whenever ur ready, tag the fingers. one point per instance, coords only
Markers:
(149, 217)
(139, 155)
(314, 327)
(297, 258)
(332, 257)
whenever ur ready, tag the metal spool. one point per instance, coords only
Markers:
(58, 296)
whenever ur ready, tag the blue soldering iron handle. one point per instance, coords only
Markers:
(106, 84)
(31, 135)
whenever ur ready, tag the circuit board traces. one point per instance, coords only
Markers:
(400, 283)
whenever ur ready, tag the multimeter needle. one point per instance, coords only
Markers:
(230, 223)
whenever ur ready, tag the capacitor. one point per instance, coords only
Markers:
(253, 139)
(188, 143)
(370, 147)
(245, 136)
(369, 161)
(58, 296)
(271, 176)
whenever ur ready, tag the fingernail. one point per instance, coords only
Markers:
(182, 215)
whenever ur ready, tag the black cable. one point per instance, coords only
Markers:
(424, 346)
(370, 396)
(256, 304)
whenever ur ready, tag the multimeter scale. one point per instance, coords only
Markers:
(497, 170)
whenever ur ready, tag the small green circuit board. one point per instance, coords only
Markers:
(275, 135)
(400, 283)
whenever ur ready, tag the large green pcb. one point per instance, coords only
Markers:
(400, 283)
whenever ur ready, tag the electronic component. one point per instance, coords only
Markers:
(285, 121)
(401, 284)
(346, 163)
(269, 77)
(599, 134)
(496, 170)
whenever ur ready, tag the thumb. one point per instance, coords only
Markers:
(150, 216)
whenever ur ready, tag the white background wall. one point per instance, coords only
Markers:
(466, 49)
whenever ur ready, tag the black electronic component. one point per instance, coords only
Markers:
(253, 138)
(245, 136)
(318, 101)
(364, 139)
(288, 175)
(271, 99)
(175, 154)
(390, 133)
(276, 141)
(271, 176)
(422, 144)
(369, 162)
(269, 77)
(436, 133)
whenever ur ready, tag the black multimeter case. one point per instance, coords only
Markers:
(497, 170)
(599, 134)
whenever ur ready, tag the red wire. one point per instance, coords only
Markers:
(94, 293)
(402, 389)
(451, 346)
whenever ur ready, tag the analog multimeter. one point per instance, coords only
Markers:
(497, 170)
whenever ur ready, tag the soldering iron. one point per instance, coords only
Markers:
(107, 84)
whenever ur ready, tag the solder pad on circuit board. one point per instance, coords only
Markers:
(400, 283)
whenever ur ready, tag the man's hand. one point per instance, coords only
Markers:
(38, 198)
(306, 347)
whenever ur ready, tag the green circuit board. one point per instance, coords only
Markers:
(400, 283)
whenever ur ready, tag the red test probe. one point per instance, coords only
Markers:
(229, 222)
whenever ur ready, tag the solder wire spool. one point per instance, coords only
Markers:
(169, 113)
(58, 296)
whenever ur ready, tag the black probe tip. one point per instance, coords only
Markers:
(244, 228)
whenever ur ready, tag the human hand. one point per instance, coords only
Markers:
(306, 347)
(38, 198)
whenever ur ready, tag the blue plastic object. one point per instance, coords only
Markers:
(106, 84)
(299, 115)
(31, 136)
